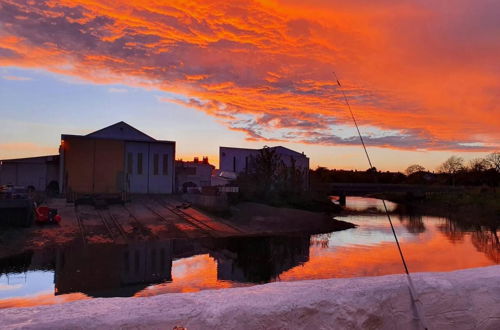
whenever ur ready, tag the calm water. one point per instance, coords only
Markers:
(150, 268)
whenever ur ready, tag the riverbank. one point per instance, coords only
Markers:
(157, 218)
(463, 299)
(266, 219)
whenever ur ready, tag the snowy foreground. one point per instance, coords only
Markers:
(467, 299)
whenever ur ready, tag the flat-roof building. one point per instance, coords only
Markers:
(41, 172)
(240, 160)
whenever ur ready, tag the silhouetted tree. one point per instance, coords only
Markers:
(268, 178)
(493, 160)
(414, 169)
(452, 165)
(478, 165)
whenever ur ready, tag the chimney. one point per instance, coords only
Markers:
(196, 160)
(205, 160)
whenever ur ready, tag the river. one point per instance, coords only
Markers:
(183, 265)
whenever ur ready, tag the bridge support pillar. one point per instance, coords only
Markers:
(342, 199)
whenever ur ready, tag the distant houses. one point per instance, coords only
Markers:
(193, 174)
(121, 159)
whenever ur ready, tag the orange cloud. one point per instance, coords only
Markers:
(424, 72)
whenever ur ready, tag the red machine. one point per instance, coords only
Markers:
(44, 214)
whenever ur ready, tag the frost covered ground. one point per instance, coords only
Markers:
(466, 299)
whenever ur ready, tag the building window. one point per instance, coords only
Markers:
(165, 164)
(139, 163)
(156, 160)
(234, 164)
(130, 162)
(246, 164)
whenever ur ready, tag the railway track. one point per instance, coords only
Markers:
(214, 232)
(110, 227)
(81, 227)
(143, 229)
(186, 217)
(114, 229)
(169, 223)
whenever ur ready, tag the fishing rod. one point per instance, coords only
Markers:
(416, 302)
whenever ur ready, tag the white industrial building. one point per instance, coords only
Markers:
(116, 159)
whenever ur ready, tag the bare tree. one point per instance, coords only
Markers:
(414, 169)
(452, 165)
(493, 160)
(478, 164)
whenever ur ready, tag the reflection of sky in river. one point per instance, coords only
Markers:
(23, 284)
(371, 230)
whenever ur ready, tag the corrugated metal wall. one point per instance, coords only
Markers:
(93, 165)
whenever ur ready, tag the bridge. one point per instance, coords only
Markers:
(362, 189)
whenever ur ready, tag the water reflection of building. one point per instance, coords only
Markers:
(259, 259)
(113, 270)
(18, 263)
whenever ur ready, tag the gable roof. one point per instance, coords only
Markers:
(121, 131)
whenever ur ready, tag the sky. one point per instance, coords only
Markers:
(422, 76)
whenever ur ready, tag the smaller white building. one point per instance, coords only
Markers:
(238, 160)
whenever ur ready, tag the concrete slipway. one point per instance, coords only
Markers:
(466, 299)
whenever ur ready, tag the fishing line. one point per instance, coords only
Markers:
(417, 303)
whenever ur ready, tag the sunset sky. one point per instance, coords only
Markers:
(423, 76)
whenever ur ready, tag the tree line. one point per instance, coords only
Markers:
(453, 171)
